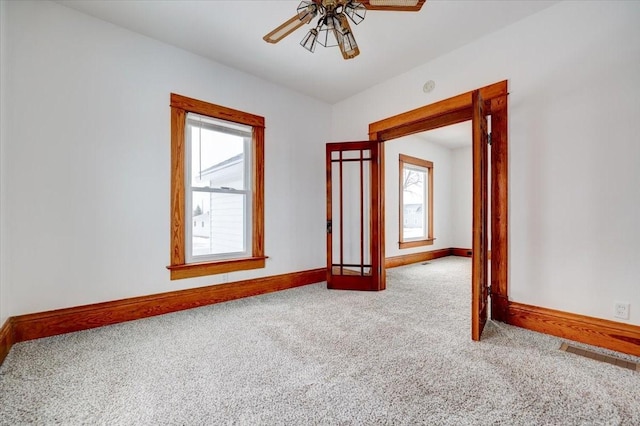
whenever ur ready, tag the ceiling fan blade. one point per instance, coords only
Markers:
(396, 5)
(286, 28)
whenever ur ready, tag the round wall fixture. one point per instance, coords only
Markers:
(429, 86)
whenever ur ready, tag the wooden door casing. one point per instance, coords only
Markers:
(479, 261)
(455, 110)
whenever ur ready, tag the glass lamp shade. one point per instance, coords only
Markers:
(309, 41)
(307, 10)
(355, 11)
(349, 47)
(329, 31)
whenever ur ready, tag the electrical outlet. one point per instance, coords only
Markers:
(621, 310)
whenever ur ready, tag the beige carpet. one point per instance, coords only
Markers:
(314, 356)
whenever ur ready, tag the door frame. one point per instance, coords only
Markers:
(456, 110)
(354, 281)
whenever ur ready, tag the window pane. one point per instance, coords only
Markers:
(217, 159)
(413, 200)
(351, 217)
(218, 223)
(218, 170)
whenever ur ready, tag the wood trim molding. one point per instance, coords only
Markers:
(418, 243)
(439, 114)
(463, 252)
(190, 270)
(178, 117)
(205, 108)
(407, 259)
(380, 215)
(51, 323)
(499, 207)
(6, 339)
(612, 335)
(180, 106)
(454, 110)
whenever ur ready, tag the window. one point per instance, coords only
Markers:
(416, 202)
(217, 183)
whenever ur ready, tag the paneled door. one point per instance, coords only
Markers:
(479, 262)
(354, 259)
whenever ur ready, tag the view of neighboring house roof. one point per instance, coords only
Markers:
(236, 159)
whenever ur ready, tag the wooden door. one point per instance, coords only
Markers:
(354, 259)
(479, 271)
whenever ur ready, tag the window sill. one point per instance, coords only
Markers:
(192, 270)
(417, 243)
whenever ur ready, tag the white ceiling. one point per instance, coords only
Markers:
(391, 43)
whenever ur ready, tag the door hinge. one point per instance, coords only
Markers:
(489, 138)
(328, 227)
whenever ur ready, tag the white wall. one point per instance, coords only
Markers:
(573, 72)
(461, 197)
(442, 189)
(87, 155)
(4, 307)
(85, 146)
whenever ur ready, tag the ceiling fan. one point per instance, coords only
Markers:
(332, 28)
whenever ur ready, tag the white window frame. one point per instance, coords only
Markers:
(222, 126)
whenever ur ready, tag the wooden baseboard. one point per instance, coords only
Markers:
(464, 252)
(455, 251)
(407, 259)
(51, 323)
(612, 335)
(6, 339)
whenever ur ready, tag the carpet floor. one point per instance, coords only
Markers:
(314, 356)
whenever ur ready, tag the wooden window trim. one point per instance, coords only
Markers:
(180, 106)
(429, 166)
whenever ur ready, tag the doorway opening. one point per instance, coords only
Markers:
(476, 106)
(428, 190)
(356, 199)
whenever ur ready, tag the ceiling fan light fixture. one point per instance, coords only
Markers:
(332, 26)
(286, 28)
(355, 11)
(307, 10)
(309, 40)
(329, 33)
(348, 45)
